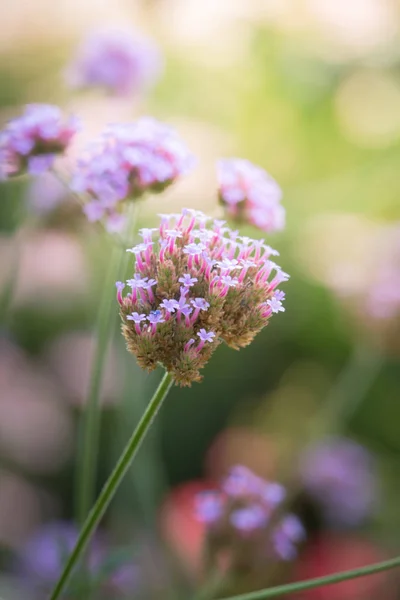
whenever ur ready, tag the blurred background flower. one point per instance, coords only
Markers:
(119, 61)
(340, 477)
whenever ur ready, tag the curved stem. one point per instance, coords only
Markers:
(113, 482)
(283, 590)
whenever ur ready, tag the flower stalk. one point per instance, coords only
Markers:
(352, 386)
(90, 426)
(291, 588)
(113, 483)
(90, 423)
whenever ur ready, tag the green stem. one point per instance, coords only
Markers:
(27, 224)
(7, 297)
(113, 482)
(216, 582)
(90, 424)
(283, 590)
(350, 389)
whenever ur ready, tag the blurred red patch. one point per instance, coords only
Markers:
(333, 553)
(179, 525)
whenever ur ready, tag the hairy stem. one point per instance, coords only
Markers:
(113, 482)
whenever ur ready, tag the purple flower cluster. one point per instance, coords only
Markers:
(244, 515)
(118, 61)
(340, 476)
(195, 285)
(31, 142)
(41, 560)
(249, 194)
(124, 163)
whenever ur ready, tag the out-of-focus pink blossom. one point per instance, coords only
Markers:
(121, 62)
(30, 143)
(125, 162)
(249, 194)
(241, 510)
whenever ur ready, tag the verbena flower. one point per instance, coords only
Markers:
(195, 284)
(30, 143)
(125, 162)
(120, 62)
(340, 476)
(249, 194)
(244, 518)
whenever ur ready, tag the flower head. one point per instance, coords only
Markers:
(340, 476)
(192, 304)
(241, 518)
(118, 61)
(249, 194)
(30, 143)
(127, 161)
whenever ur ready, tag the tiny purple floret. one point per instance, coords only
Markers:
(208, 506)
